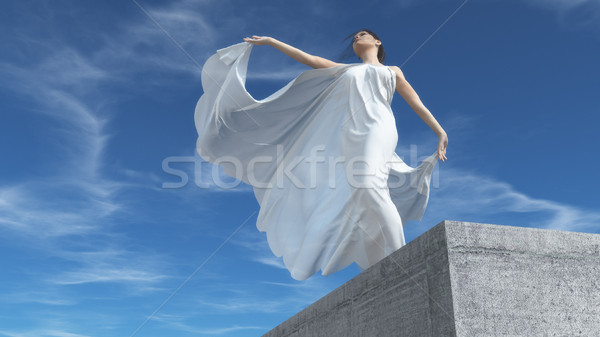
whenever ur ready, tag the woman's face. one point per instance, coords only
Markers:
(363, 39)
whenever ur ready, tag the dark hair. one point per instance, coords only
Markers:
(380, 52)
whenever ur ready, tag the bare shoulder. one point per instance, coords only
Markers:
(399, 73)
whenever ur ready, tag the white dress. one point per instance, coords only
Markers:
(320, 155)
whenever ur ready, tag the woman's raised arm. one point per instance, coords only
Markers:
(295, 53)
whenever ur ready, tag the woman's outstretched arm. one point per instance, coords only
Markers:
(295, 53)
(408, 93)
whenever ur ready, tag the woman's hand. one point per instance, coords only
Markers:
(442, 144)
(258, 40)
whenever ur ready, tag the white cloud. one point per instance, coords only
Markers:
(76, 198)
(272, 261)
(44, 207)
(174, 39)
(466, 195)
(41, 333)
(41, 297)
(560, 4)
(140, 271)
(257, 304)
(177, 322)
(572, 14)
(265, 297)
(96, 274)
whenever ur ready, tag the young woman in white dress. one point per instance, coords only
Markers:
(319, 216)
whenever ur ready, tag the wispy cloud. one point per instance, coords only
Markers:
(41, 333)
(257, 304)
(271, 261)
(74, 198)
(143, 45)
(41, 297)
(265, 297)
(178, 323)
(140, 272)
(55, 85)
(469, 196)
(119, 273)
(561, 4)
(113, 274)
(572, 14)
(64, 83)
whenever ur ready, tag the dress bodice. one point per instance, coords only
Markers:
(372, 78)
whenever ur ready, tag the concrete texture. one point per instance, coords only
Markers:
(467, 280)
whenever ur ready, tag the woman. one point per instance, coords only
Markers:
(318, 211)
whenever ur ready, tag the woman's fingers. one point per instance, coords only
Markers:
(442, 152)
(442, 144)
(255, 39)
(252, 40)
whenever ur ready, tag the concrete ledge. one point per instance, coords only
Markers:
(467, 279)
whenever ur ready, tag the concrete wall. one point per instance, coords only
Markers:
(467, 279)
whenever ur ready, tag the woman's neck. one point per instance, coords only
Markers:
(370, 57)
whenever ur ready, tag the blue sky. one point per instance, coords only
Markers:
(95, 98)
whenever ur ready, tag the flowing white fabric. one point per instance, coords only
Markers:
(320, 155)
